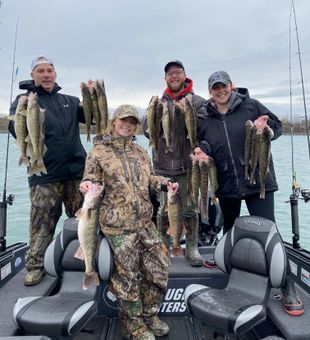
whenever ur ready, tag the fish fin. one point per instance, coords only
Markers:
(262, 193)
(90, 279)
(23, 160)
(79, 254)
(79, 213)
(176, 251)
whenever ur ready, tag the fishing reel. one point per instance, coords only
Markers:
(305, 193)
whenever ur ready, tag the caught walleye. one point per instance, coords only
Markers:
(35, 124)
(257, 152)
(265, 135)
(87, 233)
(21, 129)
(175, 216)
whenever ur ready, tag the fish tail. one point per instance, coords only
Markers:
(23, 160)
(262, 192)
(176, 251)
(90, 279)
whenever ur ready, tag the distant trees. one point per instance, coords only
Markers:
(299, 127)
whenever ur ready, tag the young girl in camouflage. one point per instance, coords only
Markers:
(140, 257)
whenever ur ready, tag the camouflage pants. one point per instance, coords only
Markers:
(141, 276)
(46, 209)
(188, 210)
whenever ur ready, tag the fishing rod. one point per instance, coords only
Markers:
(296, 190)
(5, 200)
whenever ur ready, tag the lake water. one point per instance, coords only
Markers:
(17, 184)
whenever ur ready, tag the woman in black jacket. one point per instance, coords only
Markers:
(222, 136)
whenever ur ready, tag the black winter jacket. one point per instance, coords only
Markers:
(223, 137)
(65, 155)
(171, 163)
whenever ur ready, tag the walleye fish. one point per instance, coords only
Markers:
(254, 154)
(96, 112)
(166, 126)
(21, 129)
(87, 108)
(87, 233)
(203, 186)
(175, 216)
(249, 127)
(102, 102)
(195, 181)
(189, 180)
(190, 121)
(265, 135)
(158, 121)
(213, 178)
(150, 115)
(35, 125)
(180, 128)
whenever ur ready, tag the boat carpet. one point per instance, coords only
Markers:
(292, 327)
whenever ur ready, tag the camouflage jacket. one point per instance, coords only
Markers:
(174, 163)
(124, 169)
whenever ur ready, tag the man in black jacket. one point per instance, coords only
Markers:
(64, 161)
(173, 164)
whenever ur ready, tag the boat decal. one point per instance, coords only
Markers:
(305, 277)
(293, 267)
(6, 271)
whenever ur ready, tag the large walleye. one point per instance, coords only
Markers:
(190, 120)
(35, 124)
(87, 232)
(254, 154)
(102, 102)
(87, 108)
(249, 128)
(150, 115)
(157, 125)
(265, 134)
(21, 129)
(96, 111)
(166, 126)
(212, 172)
(195, 180)
(203, 186)
(175, 216)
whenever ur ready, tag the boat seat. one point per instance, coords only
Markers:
(66, 312)
(253, 255)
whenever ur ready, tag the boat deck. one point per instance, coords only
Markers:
(182, 325)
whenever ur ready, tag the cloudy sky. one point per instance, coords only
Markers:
(127, 43)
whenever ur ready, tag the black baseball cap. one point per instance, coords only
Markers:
(173, 63)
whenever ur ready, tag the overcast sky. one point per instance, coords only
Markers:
(127, 43)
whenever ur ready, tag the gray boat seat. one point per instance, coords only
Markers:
(65, 312)
(253, 255)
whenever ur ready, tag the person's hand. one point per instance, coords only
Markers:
(85, 186)
(172, 186)
(199, 155)
(261, 121)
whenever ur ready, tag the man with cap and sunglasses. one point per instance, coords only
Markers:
(222, 136)
(64, 161)
(173, 163)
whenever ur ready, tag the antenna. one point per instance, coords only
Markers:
(301, 76)
(7, 200)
